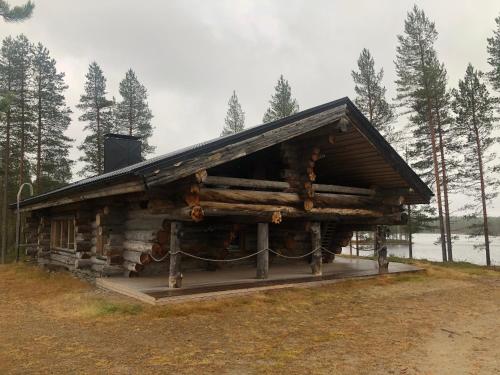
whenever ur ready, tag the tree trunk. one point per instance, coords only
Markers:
(6, 168)
(483, 195)
(436, 177)
(432, 131)
(445, 188)
(39, 140)
(410, 244)
(98, 122)
(23, 140)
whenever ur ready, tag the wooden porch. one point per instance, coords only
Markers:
(242, 279)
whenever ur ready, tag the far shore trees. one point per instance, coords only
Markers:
(475, 123)
(282, 104)
(235, 117)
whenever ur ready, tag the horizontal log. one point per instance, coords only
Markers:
(83, 255)
(320, 199)
(249, 196)
(136, 257)
(220, 209)
(282, 185)
(83, 263)
(140, 246)
(66, 259)
(123, 188)
(107, 270)
(148, 235)
(135, 267)
(96, 260)
(153, 217)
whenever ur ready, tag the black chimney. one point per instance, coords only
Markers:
(121, 151)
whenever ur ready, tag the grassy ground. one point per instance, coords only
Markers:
(445, 321)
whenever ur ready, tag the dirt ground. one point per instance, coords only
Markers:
(446, 321)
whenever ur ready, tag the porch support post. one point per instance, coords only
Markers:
(263, 256)
(175, 275)
(316, 261)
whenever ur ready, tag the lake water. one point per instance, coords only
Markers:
(425, 247)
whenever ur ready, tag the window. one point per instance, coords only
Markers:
(63, 234)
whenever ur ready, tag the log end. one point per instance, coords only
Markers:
(197, 214)
(276, 218)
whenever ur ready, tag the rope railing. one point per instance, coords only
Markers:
(243, 257)
(247, 256)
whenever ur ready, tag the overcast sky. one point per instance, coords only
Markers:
(191, 54)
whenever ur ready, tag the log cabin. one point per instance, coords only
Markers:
(299, 185)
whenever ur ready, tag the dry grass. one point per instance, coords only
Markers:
(53, 323)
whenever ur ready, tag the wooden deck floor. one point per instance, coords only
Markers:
(239, 280)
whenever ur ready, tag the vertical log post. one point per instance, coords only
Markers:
(357, 244)
(316, 261)
(175, 275)
(262, 245)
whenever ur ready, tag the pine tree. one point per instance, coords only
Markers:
(370, 97)
(22, 106)
(494, 56)
(475, 123)
(417, 70)
(281, 104)
(96, 110)
(7, 78)
(53, 166)
(17, 13)
(132, 113)
(235, 117)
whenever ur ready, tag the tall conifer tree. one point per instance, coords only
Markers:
(370, 97)
(494, 56)
(132, 112)
(96, 110)
(17, 13)
(417, 70)
(7, 79)
(475, 123)
(235, 117)
(53, 166)
(282, 104)
(22, 106)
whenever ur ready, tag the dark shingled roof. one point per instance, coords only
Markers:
(183, 154)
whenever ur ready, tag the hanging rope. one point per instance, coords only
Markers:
(217, 260)
(247, 256)
(243, 257)
(159, 259)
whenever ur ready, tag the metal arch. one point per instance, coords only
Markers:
(18, 216)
